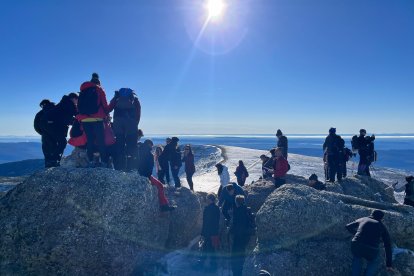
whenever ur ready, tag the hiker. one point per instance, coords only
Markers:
(167, 168)
(282, 142)
(46, 106)
(240, 233)
(188, 160)
(93, 109)
(315, 183)
(365, 146)
(224, 175)
(227, 196)
(145, 168)
(157, 161)
(175, 160)
(127, 114)
(55, 125)
(368, 231)
(409, 190)
(241, 173)
(331, 156)
(210, 231)
(280, 168)
(267, 169)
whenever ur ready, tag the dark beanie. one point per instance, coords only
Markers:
(175, 139)
(279, 132)
(362, 131)
(73, 95)
(332, 130)
(44, 102)
(377, 214)
(95, 78)
(313, 177)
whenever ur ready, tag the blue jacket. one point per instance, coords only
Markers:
(226, 197)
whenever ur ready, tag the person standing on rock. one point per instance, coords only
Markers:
(409, 190)
(282, 142)
(210, 231)
(227, 199)
(224, 175)
(127, 115)
(241, 173)
(368, 232)
(173, 155)
(331, 156)
(55, 125)
(365, 146)
(145, 168)
(280, 168)
(239, 230)
(93, 109)
(46, 106)
(188, 160)
(315, 183)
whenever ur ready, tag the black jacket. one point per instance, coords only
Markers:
(211, 220)
(145, 161)
(368, 233)
(282, 142)
(365, 145)
(37, 123)
(240, 225)
(176, 160)
(331, 144)
(63, 114)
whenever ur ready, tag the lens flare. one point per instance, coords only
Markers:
(215, 9)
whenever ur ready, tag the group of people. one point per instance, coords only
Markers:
(115, 142)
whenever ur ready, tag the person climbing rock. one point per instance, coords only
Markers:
(224, 175)
(315, 183)
(408, 188)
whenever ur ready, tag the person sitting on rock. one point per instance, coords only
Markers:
(224, 175)
(227, 196)
(368, 231)
(315, 183)
(145, 168)
(280, 168)
(239, 231)
(409, 190)
(210, 231)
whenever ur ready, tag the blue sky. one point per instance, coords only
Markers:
(299, 65)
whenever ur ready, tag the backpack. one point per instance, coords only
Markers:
(126, 99)
(354, 143)
(88, 101)
(251, 222)
(37, 121)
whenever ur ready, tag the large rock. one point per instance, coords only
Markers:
(302, 231)
(186, 219)
(81, 222)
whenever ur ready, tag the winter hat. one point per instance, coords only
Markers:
(332, 130)
(44, 102)
(313, 177)
(73, 95)
(409, 178)
(362, 131)
(95, 78)
(279, 132)
(175, 139)
(264, 273)
(377, 214)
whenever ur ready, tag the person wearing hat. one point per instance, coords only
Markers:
(55, 125)
(368, 233)
(365, 145)
(282, 142)
(38, 124)
(409, 190)
(331, 156)
(93, 109)
(315, 183)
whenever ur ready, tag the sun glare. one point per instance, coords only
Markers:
(215, 9)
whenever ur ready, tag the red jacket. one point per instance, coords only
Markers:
(104, 108)
(280, 167)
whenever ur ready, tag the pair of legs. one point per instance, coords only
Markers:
(333, 168)
(238, 254)
(96, 139)
(363, 166)
(241, 181)
(189, 177)
(372, 266)
(126, 133)
(161, 194)
(54, 144)
(174, 173)
(209, 251)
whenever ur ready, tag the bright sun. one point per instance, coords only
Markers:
(215, 8)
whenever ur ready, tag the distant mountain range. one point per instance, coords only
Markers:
(19, 168)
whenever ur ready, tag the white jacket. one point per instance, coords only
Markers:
(224, 177)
